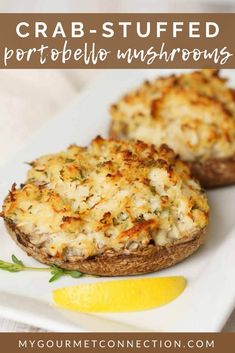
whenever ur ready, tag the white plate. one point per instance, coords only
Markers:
(210, 295)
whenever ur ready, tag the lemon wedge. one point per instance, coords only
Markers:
(120, 295)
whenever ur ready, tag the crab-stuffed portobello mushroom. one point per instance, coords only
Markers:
(193, 113)
(112, 208)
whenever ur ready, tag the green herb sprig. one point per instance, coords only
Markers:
(17, 265)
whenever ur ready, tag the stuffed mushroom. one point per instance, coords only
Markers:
(112, 208)
(193, 113)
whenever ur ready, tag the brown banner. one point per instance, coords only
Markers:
(117, 342)
(117, 40)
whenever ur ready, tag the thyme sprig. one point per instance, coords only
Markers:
(17, 265)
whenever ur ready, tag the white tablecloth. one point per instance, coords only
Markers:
(29, 98)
